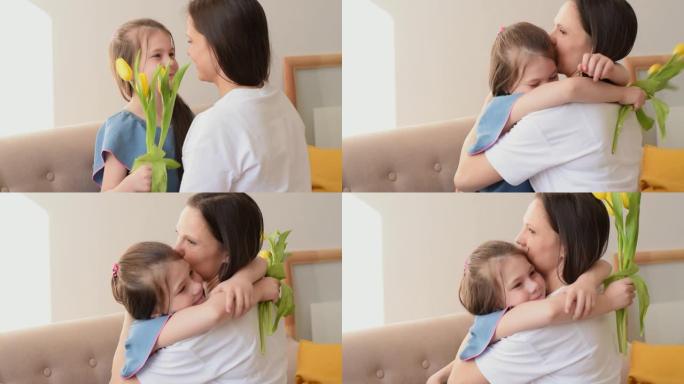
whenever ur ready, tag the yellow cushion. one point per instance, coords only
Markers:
(319, 363)
(660, 364)
(326, 169)
(662, 170)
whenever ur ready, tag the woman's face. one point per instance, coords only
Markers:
(201, 53)
(197, 245)
(570, 38)
(539, 240)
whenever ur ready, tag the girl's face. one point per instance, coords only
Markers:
(539, 240)
(185, 287)
(570, 38)
(158, 50)
(197, 245)
(521, 282)
(201, 54)
(538, 70)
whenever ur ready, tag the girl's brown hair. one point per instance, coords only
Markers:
(127, 41)
(481, 291)
(139, 279)
(510, 51)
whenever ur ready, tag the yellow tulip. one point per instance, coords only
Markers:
(265, 254)
(609, 208)
(625, 199)
(679, 50)
(123, 69)
(599, 195)
(654, 68)
(144, 85)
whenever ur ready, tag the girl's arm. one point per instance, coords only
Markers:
(583, 291)
(551, 311)
(600, 67)
(117, 179)
(573, 90)
(198, 319)
(118, 360)
(239, 288)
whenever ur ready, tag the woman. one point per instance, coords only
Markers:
(568, 148)
(564, 235)
(216, 245)
(252, 139)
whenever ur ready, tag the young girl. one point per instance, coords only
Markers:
(524, 79)
(121, 139)
(507, 295)
(167, 301)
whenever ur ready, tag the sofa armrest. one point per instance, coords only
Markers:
(414, 159)
(55, 160)
(403, 353)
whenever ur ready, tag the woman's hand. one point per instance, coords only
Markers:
(138, 181)
(239, 295)
(634, 96)
(621, 293)
(597, 66)
(582, 293)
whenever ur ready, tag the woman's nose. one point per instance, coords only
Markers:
(178, 248)
(520, 238)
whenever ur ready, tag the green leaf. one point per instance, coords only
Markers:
(645, 121)
(644, 300)
(622, 114)
(276, 271)
(662, 111)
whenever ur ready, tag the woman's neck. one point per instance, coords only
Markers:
(553, 281)
(212, 283)
(224, 86)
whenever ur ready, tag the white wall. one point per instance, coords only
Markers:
(438, 62)
(88, 233)
(420, 243)
(83, 86)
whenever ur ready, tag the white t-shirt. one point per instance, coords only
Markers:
(251, 140)
(228, 354)
(568, 149)
(578, 352)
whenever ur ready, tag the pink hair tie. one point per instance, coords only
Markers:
(466, 265)
(115, 270)
(502, 28)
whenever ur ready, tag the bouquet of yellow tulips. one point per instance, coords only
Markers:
(627, 227)
(284, 306)
(155, 156)
(659, 77)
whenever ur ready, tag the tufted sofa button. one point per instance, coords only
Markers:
(50, 176)
(425, 364)
(4, 189)
(380, 374)
(92, 363)
(392, 176)
(47, 372)
(437, 167)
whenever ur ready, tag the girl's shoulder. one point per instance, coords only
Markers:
(122, 120)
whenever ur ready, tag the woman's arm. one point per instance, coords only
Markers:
(198, 319)
(462, 372)
(573, 90)
(117, 179)
(551, 311)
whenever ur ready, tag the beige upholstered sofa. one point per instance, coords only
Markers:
(76, 352)
(414, 159)
(56, 160)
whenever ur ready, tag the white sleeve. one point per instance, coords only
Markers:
(206, 166)
(174, 366)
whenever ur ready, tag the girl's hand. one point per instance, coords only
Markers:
(138, 181)
(596, 66)
(239, 295)
(582, 294)
(634, 96)
(621, 293)
(269, 289)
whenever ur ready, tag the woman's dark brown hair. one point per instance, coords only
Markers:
(510, 51)
(237, 32)
(481, 291)
(127, 41)
(235, 220)
(583, 226)
(612, 26)
(139, 280)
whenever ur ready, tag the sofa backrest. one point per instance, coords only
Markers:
(402, 353)
(414, 159)
(55, 160)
